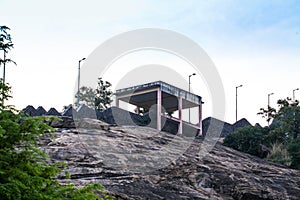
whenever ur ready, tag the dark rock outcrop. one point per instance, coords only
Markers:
(53, 112)
(140, 163)
(118, 116)
(240, 124)
(30, 111)
(69, 111)
(40, 111)
(63, 122)
(85, 112)
(216, 127)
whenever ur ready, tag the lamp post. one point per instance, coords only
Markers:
(294, 93)
(269, 99)
(190, 91)
(269, 106)
(4, 66)
(236, 95)
(78, 91)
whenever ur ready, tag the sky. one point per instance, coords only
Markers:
(253, 43)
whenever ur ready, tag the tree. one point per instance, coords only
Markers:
(248, 139)
(288, 117)
(5, 45)
(279, 154)
(268, 113)
(87, 96)
(282, 136)
(103, 95)
(24, 169)
(99, 98)
(294, 151)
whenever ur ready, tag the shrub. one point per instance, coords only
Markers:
(24, 170)
(294, 150)
(279, 154)
(247, 139)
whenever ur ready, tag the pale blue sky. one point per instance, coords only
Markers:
(254, 43)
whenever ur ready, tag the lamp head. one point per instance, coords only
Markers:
(193, 74)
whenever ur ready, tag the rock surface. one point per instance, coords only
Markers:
(141, 163)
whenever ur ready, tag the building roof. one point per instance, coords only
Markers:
(145, 96)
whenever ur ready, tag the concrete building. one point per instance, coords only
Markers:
(165, 96)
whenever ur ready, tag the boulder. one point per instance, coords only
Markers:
(30, 111)
(113, 156)
(69, 111)
(40, 111)
(216, 127)
(63, 122)
(52, 111)
(84, 111)
(241, 123)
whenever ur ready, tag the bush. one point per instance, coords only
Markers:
(294, 150)
(283, 135)
(247, 139)
(279, 154)
(24, 171)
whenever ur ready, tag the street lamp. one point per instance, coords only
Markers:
(269, 106)
(269, 99)
(78, 91)
(190, 91)
(236, 95)
(4, 61)
(294, 93)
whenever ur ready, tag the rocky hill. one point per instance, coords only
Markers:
(115, 115)
(140, 163)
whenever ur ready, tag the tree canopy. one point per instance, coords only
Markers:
(25, 172)
(5, 45)
(99, 98)
(282, 137)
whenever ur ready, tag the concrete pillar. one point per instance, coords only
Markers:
(137, 110)
(180, 115)
(117, 102)
(159, 109)
(200, 119)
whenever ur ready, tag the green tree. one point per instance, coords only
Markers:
(248, 139)
(5, 45)
(87, 96)
(268, 113)
(99, 98)
(294, 151)
(282, 136)
(279, 154)
(288, 117)
(24, 170)
(103, 95)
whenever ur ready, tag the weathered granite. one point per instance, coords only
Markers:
(222, 174)
(69, 111)
(30, 111)
(241, 123)
(52, 111)
(40, 111)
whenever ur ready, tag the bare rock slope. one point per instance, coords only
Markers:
(140, 163)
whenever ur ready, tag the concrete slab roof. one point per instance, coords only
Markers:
(145, 96)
